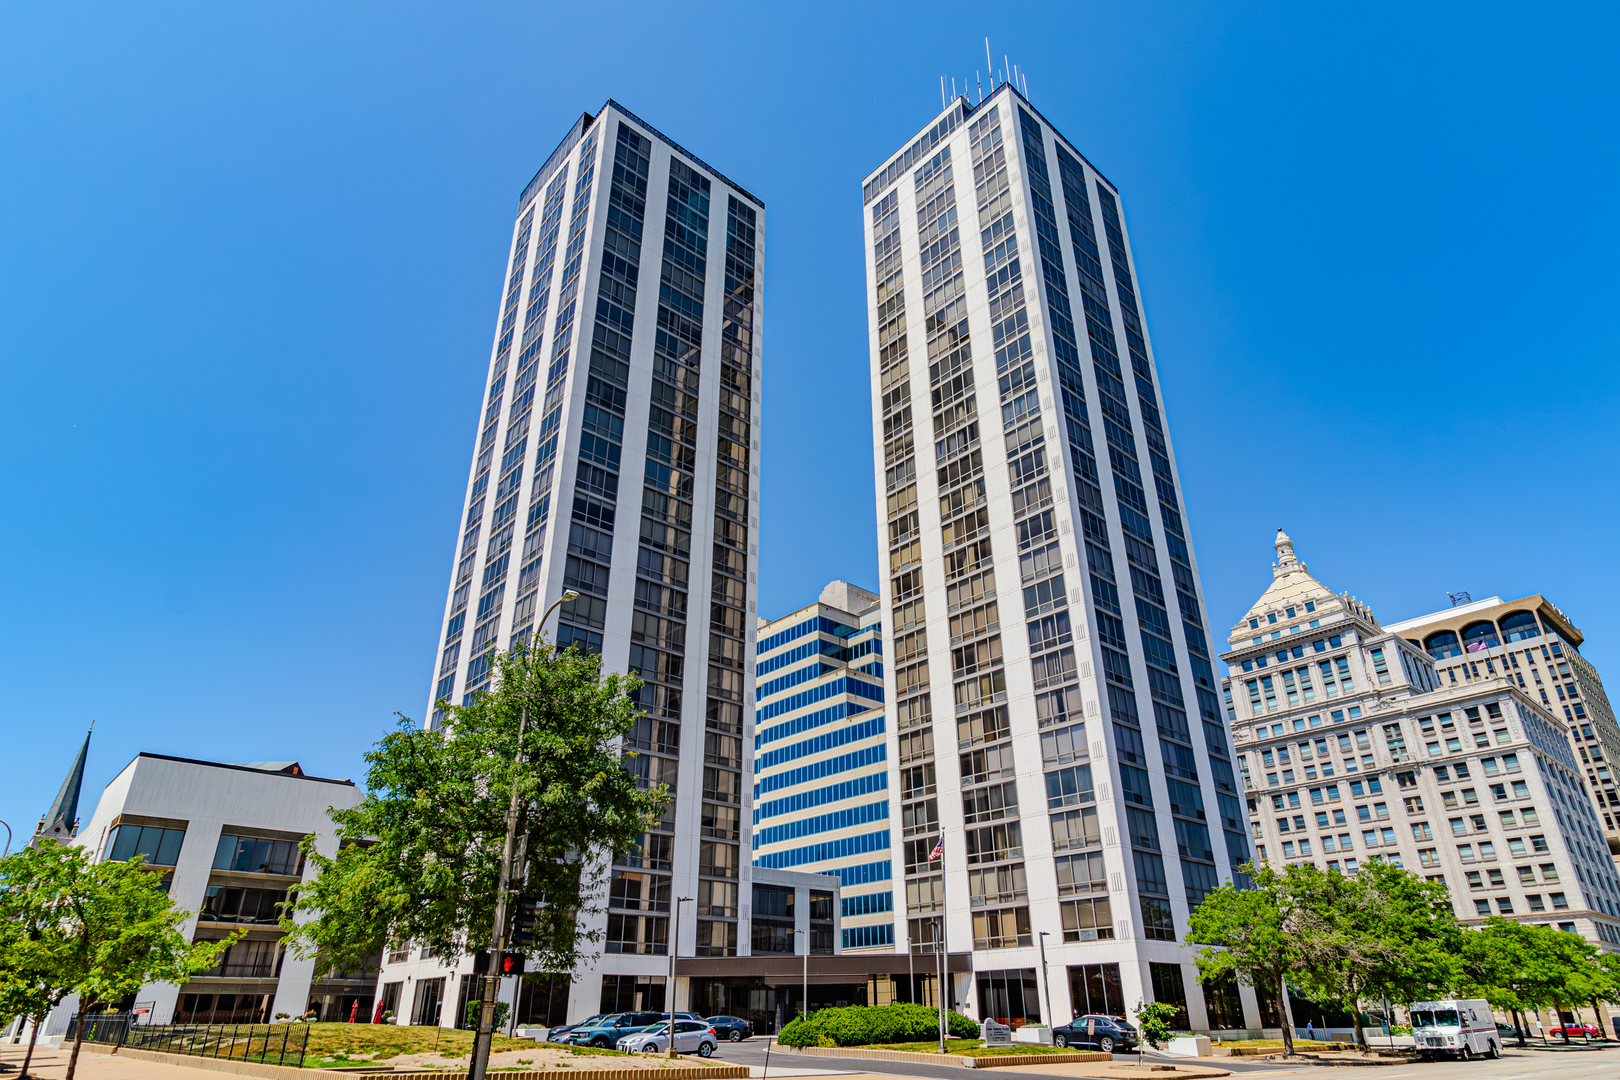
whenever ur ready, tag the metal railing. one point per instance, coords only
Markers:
(269, 1044)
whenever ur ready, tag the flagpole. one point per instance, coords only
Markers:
(939, 943)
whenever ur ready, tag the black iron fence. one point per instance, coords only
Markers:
(269, 1044)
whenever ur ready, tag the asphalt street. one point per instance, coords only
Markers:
(1515, 1064)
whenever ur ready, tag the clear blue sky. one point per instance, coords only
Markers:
(250, 258)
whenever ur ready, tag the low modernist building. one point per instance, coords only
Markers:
(225, 839)
(1355, 748)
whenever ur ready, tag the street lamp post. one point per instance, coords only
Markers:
(804, 1005)
(7, 851)
(1051, 1018)
(492, 981)
(674, 946)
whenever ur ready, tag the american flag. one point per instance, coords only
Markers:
(939, 849)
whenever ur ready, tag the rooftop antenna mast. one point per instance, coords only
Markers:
(990, 65)
(1459, 598)
(942, 91)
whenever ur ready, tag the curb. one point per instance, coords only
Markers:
(994, 1061)
(289, 1072)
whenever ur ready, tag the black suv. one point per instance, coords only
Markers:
(1095, 1031)
(731, 1027)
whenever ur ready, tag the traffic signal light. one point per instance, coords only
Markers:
(523, 923)
(512, 963)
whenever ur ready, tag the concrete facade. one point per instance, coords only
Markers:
(188, 812)
(1530, 638)
(1041, 604)
(1355, 748)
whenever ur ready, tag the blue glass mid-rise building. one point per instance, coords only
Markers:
(821, 776)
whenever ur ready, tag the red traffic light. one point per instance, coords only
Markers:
(511, 963)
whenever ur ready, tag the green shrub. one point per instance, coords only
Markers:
(860, 1025)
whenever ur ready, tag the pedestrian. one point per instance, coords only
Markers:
(1310, 1030)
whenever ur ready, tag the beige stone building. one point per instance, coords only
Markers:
(1355, 747)
(1533, 643)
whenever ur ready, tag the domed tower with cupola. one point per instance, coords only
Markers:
(1353, 748)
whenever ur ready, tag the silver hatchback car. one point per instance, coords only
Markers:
(691, 1037)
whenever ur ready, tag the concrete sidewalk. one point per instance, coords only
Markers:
(52, 1065)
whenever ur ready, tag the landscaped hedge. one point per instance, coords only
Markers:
(861, 1025)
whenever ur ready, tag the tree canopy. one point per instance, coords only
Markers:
(100, 930)
(1384, 933)
(1380, 933)
(419, 857)
(1523, 966)
(1248, 933)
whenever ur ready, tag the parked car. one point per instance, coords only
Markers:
(1575, 1031)
(606, 1030)
(731, 1027)
(1094, 1030)
(610, 1028)
(561, 1031)
(1507, 1031)
(691, 1036)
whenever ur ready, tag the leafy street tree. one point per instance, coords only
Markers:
(98, 930)
(1522, 966)
(420, 857)
(1380, 933)
(27, 988)
(1501, 963)
(1153, 1021)
(1252, 933)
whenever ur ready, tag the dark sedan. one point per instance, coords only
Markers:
(1096, 1032)
(731, 1027)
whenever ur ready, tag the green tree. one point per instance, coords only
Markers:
(1525, 966)
(98, 930)
(419, 859)
(1153, 1021)
(1491, 963)
(27, 986)
(1252, 933)
(1381, 933)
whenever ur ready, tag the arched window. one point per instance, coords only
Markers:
(1480, 636)
(1519, 625)
(1442, 645)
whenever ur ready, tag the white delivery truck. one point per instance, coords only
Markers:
(1458, 1028)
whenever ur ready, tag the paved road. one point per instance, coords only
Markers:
(1515, 1064)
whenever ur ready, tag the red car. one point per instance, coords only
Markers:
(1571, 1031)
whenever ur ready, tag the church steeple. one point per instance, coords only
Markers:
(61, 822)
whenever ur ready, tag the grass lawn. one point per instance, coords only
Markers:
(359, 1044)
(966, 1048)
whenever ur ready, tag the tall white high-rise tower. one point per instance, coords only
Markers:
(1041, 602)
(617, 456)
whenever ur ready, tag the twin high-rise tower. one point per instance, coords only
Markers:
(1051, 720)
(617, 457)
(1041, 602)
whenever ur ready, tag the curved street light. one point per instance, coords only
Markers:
(7, 850)
(479, 1065)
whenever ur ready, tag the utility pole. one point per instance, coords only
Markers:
(479, 1066)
